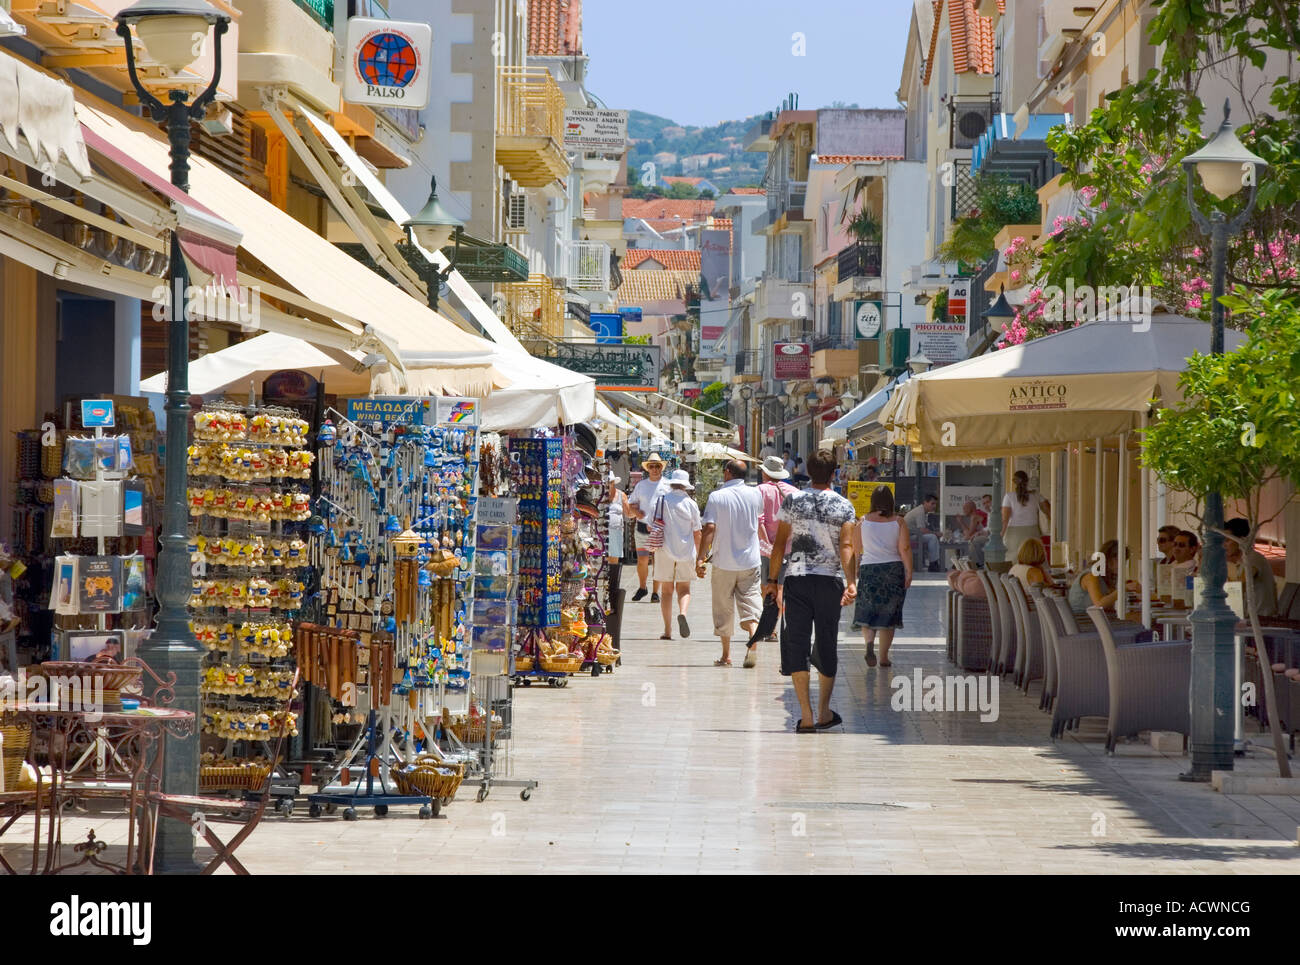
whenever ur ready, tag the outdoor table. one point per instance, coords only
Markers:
(956, 547)
(134, 745)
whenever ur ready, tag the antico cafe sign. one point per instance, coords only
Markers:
(1036, 394)
(387, 63)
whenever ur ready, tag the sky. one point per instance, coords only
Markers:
(700, 62)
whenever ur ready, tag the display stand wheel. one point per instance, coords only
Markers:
(525, 794)
(381, 810)
(314, 810)
(482, 794)
(425, 812)
(285, 807)
(562, 682)
(349, 814)
(552, 682)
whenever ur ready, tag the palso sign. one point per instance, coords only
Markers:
(387, 63)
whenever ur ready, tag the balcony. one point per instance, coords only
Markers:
(860, 270)
(534, 311)
(530, 126)
(785, 201)
(282, 44)
(779, 300)
(586, 265)
(834, 357)
(747, 363)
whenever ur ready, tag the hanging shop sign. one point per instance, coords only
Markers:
(958, 300)
(387, 63)
(867, 318)
(455, 409)
(591, 129)
(629, 368)
(859, 494)
(630, 313)
(792, 360)
(608, 327)
(97, 413)
(390, 410)
(940, 342)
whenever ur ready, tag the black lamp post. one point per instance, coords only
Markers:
(995, 551)
(173, 31)
(431, 229)
(1225, 167)
(747, 393)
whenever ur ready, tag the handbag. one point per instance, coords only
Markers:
(655, 541)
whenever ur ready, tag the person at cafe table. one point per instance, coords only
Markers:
(1093, 590)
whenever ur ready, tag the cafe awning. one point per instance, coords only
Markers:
(862, 419)
(1089, 382)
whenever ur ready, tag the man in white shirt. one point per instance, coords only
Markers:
(674, 565)
(1251, 565)
(642, 503)
(731, 529)
(917, 520)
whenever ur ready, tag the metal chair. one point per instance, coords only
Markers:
(1149, 684)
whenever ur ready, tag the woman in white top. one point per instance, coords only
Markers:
(884, 550)
(1020, 510)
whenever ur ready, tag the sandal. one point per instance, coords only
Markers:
(721, 663)
(799, 728)
(871, 658)
(665, 636)
(835, 721)
(886, 663)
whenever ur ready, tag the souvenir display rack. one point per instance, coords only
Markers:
(395, 549)
(539, 474)
(249, 475)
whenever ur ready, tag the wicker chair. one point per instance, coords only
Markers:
(995, 620)
(950, 625)
(974, 634)
(1149, 684)
(1045, 612)
(1006, 661)
(1029, 659)
(1082, 684)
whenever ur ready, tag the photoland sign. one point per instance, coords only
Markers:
(941, 342)
(387, 63)
(593, 129)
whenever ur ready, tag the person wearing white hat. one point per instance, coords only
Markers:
(773, 489)
(642, 501)
(674, 563)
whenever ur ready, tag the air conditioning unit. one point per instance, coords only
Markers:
(517, 212)
(970, 123)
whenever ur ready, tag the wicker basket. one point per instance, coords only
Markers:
(115, 677)
(232, 777)
(473, 732)
(17, 736)
(569, 663)
(430, 777)
(607, 658)
(523, 664)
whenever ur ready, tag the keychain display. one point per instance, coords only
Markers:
(539, 468)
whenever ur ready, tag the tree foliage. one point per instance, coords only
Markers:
(998, 203)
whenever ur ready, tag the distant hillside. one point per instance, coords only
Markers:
(652, 134)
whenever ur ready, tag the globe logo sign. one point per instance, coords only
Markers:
(387, 60)
(388, 63)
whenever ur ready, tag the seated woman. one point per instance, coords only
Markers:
(1031, 565)
(1092, 590)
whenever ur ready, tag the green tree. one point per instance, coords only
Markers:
(1236, 430)
(681, 191)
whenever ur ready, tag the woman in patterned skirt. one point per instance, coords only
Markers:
(884, 551)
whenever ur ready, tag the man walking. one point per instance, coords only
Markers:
(674, 562)
(819, 580)
(773, 490)
(645, 495)
(731, 530)
(918, 524)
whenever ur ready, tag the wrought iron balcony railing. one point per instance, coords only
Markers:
(860, 260)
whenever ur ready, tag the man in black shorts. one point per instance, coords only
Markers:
(818, 524)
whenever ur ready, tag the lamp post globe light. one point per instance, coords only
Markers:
(431, 228)
(995, 551)
(173, 32)
(1224, 166)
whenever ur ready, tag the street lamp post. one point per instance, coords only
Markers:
(431, 228)
(172, 32)
(995, 551)
(1224, 166)
(747, 393)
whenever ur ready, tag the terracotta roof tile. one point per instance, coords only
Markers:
(970, 34)
(554, 28)
(722, 224)
(746, 191)
(666, 209)
(640, 286)
(673, 259)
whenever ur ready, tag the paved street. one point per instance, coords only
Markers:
(673, 765)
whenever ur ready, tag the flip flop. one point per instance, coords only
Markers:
(886, 663)
(665, 636)
(801, 729)
(682, 625)
(722, 663)
(835, 721)
(871, 658)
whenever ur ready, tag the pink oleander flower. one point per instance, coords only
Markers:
(1197, 252)
(1194, 302)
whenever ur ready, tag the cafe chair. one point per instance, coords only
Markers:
(1006, 661)
(1148, 684)
(244, 813)
(1029, 658)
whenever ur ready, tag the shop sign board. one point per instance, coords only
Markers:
(630, 368)
(941, 342)
(958, 300)
(608, 327)
(387, 63)
(792, 360)
(595, 129)
(859, 494)
(389, 410)
(97, 413)
(867, 318)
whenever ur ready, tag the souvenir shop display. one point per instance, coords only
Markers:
(85, 490)
(540, 483)
(248, 492)
(394, 543)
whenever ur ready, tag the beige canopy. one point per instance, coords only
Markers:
(1089, 382)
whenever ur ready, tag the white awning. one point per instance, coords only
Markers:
(253, 360)
(40, 108)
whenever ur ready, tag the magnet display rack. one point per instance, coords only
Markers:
(394, 543)
(248, 482)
